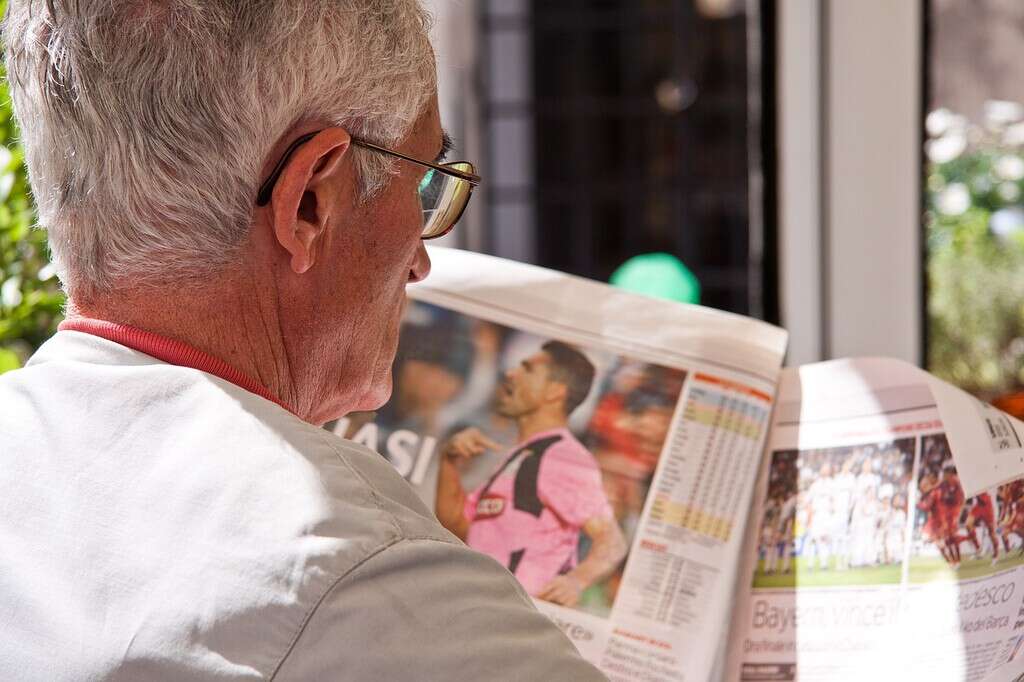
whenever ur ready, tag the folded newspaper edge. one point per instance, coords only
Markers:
(987, 444)
(546, 300)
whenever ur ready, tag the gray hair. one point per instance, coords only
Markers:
(146, 123)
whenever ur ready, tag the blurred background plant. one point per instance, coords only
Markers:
(30, 297)
(975, 240)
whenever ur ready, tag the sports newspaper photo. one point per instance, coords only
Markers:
(683, 508)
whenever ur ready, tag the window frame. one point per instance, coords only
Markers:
(850, 126)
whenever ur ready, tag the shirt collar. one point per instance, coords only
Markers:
(169, 350)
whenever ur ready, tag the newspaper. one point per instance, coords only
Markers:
(867, 557)
(685, 510)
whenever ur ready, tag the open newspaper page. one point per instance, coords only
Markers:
(601, 445)
(865, 557)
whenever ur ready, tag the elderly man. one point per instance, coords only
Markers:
(235, 194)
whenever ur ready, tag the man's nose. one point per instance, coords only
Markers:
(420, 264)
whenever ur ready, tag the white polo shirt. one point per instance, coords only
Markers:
(158, 522)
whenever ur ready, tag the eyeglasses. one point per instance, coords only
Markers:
(444, 190)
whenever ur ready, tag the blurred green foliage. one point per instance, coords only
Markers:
(30, 297)
(975, 244)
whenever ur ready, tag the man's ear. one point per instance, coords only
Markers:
(304, 193)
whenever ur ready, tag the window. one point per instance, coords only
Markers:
(974, 178)
(615, 128)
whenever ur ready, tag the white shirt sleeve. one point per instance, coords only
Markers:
(424, 609)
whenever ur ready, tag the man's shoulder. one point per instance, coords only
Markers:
(213, 510)
(354, 464)
(564, 447)
(186, 414)
(446, 612)
(318, 469)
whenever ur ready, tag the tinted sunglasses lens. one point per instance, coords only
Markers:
(443, 198)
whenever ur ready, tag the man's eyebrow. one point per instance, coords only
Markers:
(446, 146)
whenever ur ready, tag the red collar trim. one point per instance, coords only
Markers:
(170, 351)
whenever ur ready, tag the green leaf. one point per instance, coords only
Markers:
(8, 360)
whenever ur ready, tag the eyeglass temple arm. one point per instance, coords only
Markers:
(267, 188)
(468, 177)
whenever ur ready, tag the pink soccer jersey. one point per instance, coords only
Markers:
(529, 514)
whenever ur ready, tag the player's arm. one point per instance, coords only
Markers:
(608, 548)
(450, 503)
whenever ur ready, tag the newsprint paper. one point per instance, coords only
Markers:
(682, 507)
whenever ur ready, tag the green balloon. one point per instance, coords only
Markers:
(660, 275)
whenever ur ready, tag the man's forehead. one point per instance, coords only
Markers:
(539, 358)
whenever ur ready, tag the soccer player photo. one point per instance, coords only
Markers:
(538, 452)
(958, 538)
(836, 516)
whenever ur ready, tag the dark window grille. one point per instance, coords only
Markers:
(620, 127)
